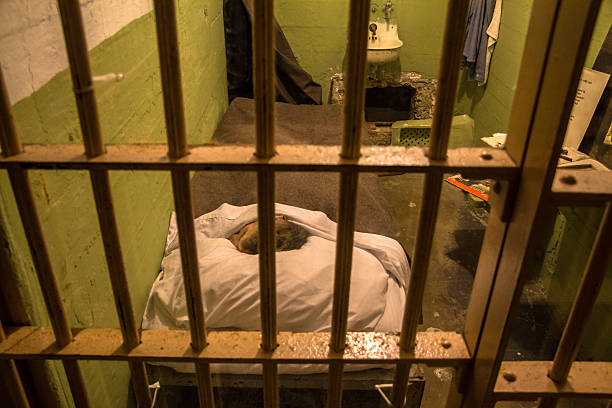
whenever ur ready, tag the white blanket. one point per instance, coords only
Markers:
(230, 279)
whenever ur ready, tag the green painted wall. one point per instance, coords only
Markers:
(317, 33)
(130, 111)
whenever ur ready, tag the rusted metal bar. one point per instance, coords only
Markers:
(473, 162)
(522, 380)
(452, 50)
(344, 257)
(76, 47)
(433, 348)
(355, 77)
(456, 19)
(571, 187)
(24, 197)
(33, 230)
(334, 393)
(590, 285)
(342, 280)
(592, 280)
(264, 85)
(40, 256)
(267, 270)
(114, 259)
(418, 277)
(169, 61)
(10, 378)
(8, 134)
(170, 66)
(191, 276)
(264, 90)
(573, 23)
(542, 19)
(203, 379)
(271, 395)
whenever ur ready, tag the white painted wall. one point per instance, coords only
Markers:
(32, 48)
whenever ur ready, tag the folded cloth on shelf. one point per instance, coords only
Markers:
(230, 278)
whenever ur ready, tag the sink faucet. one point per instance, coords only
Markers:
(387, 11)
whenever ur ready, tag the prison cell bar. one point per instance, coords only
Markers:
(10, 379)
(76, 47)
(454, 33)
(264, 92)
(572, 24)
(584, 302)
(169, 61)
(531, 72)
(355, 78)
(24, 197)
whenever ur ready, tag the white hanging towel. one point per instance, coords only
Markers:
(493, 34)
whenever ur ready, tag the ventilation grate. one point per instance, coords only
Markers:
(416, 136)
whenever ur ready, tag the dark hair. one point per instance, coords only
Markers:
(289, 236)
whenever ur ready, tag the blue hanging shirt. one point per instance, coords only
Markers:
(476, 39)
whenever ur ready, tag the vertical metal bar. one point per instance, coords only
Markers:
(40, 257)
(8, 134)
(76, 47)
(452, 50)
(354, 83)
(114, 259)
(344, 259)
(264, 90)
(184, 218)
(456, 18)
(586, 297)
(267, 267)
(169, 61)
(573, 26)
(170, 66)
(540, 29)
(271, 396)
(10, 378)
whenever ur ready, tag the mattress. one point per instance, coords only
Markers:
(230, 286)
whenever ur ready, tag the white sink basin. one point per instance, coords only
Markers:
(384, 37)
(383, 43)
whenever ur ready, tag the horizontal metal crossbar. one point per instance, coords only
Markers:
(433, 348)
(485, 162)
(575, 187)
(526, 380)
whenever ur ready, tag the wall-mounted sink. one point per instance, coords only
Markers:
(383, 43)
